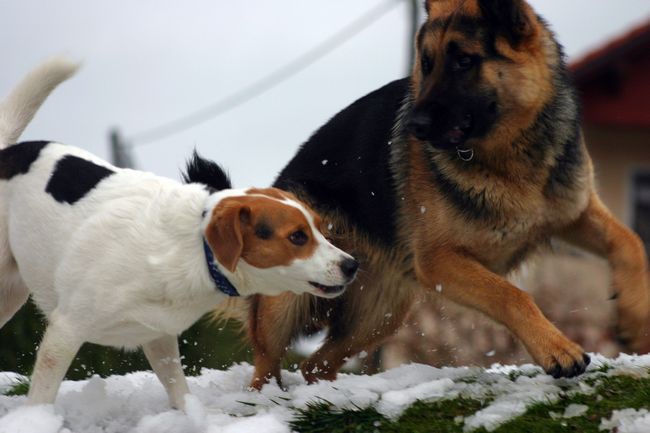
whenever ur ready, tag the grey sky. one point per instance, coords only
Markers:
(148, 62)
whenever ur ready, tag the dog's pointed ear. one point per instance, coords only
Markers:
(224, 232)
(429, 3)
(512, 18)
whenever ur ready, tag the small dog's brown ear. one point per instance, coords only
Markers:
(511, 17)
(224, 233)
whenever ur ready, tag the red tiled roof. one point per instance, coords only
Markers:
(631, 42)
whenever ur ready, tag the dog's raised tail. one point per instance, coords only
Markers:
(19, 107)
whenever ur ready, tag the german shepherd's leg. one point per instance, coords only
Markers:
(271, 327)
(325, 363)
(363, 319)
(599, 232)
(465, 281)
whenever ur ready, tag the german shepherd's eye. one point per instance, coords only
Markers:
(298, 238)
(426, 64)
(463, 62)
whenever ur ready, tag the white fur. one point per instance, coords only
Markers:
(18, 109)
(123, 266)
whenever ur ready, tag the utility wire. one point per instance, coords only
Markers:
(266, 82)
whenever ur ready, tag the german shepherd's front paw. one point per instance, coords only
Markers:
(569, 367)
(561, 357)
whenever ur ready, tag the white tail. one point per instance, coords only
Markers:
(18, 109)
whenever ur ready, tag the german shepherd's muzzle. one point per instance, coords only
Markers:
(450, 109)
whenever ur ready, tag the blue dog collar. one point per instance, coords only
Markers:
(219, 279)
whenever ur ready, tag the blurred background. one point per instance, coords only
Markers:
(245, 83)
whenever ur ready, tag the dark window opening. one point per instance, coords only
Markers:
(641, 203)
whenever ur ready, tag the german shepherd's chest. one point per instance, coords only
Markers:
(499, 220)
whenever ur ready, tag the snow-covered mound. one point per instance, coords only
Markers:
(221, 403)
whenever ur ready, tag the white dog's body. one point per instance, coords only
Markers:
(133, 243)
(116, 256)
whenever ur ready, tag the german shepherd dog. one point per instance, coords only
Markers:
(446, 181)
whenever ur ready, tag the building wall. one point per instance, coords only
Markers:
(616, 153)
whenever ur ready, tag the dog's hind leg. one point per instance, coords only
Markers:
(57, 350)
(165, 360)
(13, 294)
(599, 232)
(363, 320)
(325, 363)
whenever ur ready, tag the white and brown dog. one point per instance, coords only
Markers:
(125, 258)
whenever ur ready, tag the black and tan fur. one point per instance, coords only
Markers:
(449, 179)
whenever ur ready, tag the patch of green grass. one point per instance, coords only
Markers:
(611, 393)
(21, 387)
(320, 418)
(439, 416)
(422, 417)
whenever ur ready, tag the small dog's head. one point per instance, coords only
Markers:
(480, 64)
(274, 243)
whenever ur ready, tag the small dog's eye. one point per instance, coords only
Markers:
(298, 238)
(463, 62)
(426, 64)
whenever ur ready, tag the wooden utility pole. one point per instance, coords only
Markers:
(414, 23)
(121, 153)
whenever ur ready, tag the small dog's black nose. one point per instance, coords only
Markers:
(419, 125)
(349, 267)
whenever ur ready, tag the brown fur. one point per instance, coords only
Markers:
(530, 198)
(232, 231)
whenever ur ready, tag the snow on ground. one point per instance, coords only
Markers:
(220, 403)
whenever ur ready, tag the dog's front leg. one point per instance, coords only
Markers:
(164, 357)
(270, 330)
(465, 281)
(57, 350)
(599, 232)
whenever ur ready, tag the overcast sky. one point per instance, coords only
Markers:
(149, 62)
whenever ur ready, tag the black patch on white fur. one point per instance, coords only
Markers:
(17, 159)
(206, 172)
(74, 177)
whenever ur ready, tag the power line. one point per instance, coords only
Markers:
(266, 82)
